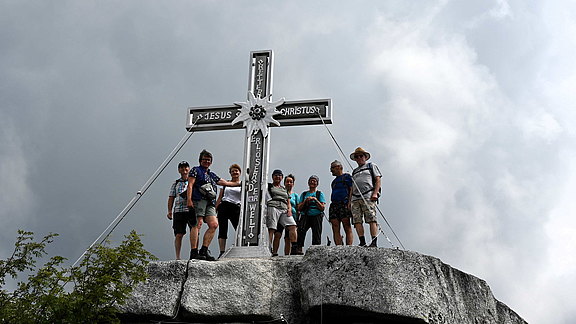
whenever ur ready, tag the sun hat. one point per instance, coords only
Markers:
(360, 150)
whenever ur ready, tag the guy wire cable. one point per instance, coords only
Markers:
(343, 156)
(140, 193)
(350, 165)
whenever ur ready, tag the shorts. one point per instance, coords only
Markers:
(361, 209)
(275, 216)
(204, 208)
(181, 219)
(339, 210)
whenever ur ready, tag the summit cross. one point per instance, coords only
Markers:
(257, 114)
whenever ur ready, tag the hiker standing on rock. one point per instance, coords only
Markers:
(178, 212)
(228, 207)
(311, 207)
(365, 194)
(201, 196)
(339, 211)
(279, 210)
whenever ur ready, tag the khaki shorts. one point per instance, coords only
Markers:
(275, 216)
(204, 208)
(366, 210)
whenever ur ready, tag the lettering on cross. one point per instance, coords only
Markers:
(257, 114)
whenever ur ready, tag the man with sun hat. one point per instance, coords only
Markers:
(365, 193)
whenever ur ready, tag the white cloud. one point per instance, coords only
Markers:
(472, 157)
(557, 279)
(541, 126)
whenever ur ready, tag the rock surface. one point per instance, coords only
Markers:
(328, 285)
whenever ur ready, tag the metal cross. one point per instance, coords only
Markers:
(257, 114)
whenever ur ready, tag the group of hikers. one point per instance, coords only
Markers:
(193, 201)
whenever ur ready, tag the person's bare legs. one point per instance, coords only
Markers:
(195, 234)
(276, 242)
(222, 244)
(212, 222)
(292, 234)
(347, 230)
(287, 244)
(336, 231)
(359, 229)
(178, 244)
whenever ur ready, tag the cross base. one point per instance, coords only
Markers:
(247, 252)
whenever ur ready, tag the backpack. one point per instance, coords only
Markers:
(318, 193)
(369, 164)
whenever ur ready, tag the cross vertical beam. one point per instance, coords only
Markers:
(256, 150)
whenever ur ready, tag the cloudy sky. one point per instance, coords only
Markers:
(467, 107)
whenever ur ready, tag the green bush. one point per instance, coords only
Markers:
(83, 294)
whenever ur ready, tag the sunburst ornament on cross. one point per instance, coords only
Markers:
(257, 113)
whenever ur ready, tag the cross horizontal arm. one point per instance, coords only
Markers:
(292, 113)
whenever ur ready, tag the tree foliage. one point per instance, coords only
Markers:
(83, 294)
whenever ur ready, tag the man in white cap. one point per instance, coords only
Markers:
(365, 193)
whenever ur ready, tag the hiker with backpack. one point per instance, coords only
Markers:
(201, 197)
(279, 210)
(178, 212)
(339, 211)
(311, 207)
(365, 194)
(289, 184)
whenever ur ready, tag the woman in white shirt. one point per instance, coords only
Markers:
(228, 207)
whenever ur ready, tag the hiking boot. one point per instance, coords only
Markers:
(205, 254)
(195, 256)
(362, 244)
(374, 242)
(296, 250)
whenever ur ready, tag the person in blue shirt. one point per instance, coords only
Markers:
(201, 197)
(311, 207)
(339, 211)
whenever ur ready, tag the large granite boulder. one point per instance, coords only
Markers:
(329, 285)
